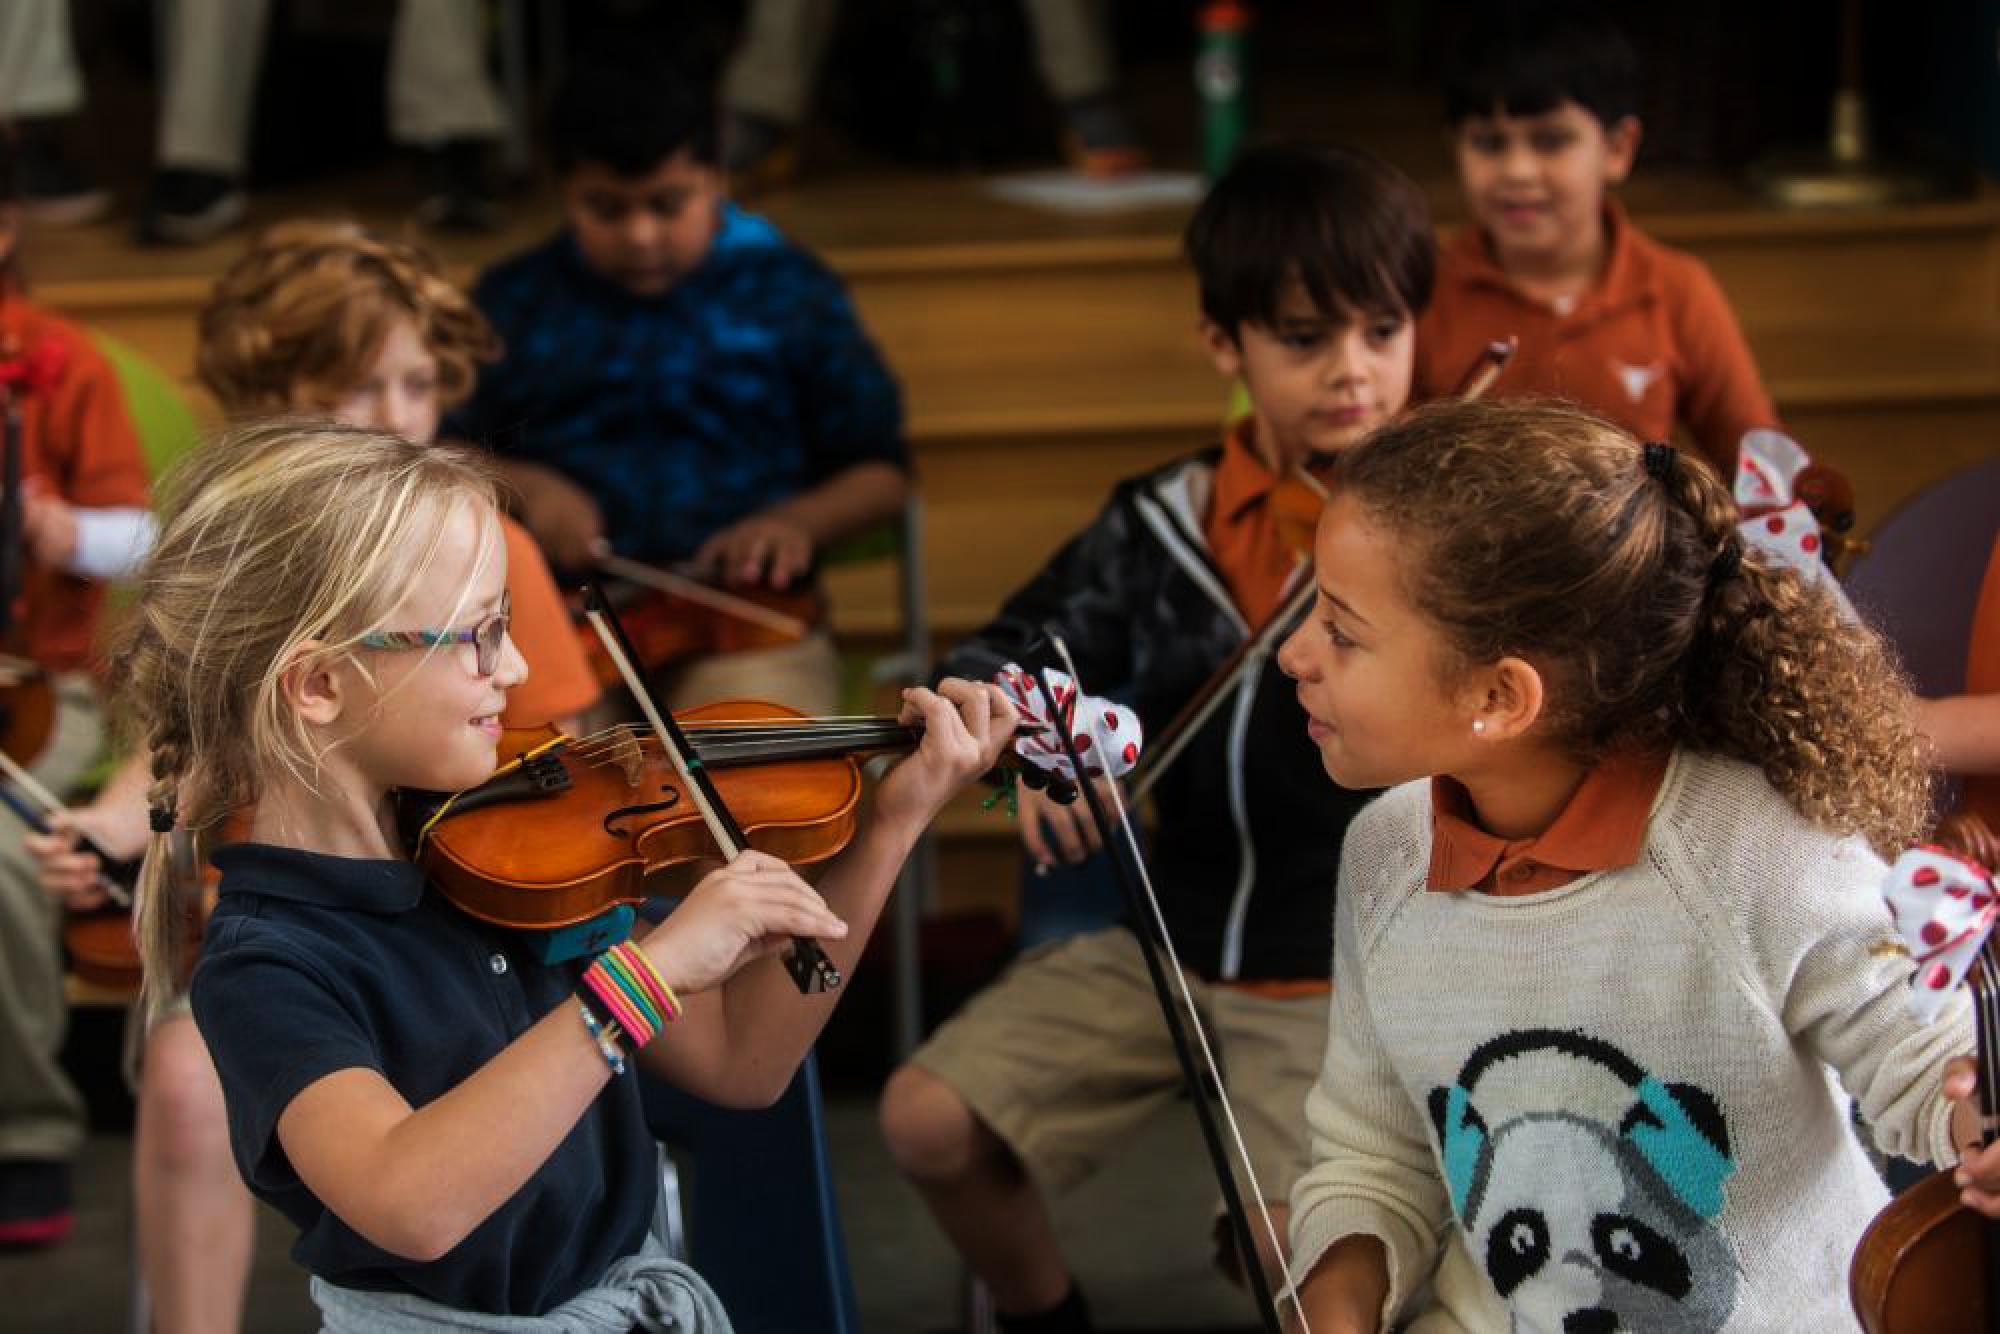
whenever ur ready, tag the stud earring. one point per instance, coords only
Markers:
(1478, 725)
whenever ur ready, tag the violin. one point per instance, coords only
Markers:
(1829, 494)
(1910, 1268)
(572, 827)
(27, 708)
(670, 617)
(27, 700)
(101, 945)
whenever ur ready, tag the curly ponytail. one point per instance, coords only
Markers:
(1779, 677)
(1535, 529)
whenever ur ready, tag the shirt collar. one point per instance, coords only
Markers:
(1624, 277)
(350, 883)
(1242, 478)
(736, 230)
(1601, 828)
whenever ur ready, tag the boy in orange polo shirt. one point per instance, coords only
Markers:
(1542, 113)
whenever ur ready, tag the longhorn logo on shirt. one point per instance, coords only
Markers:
(1636, 379)
(1582, 1223)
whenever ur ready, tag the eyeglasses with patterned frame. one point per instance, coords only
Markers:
(486, 638)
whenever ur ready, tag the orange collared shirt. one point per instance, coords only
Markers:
(1653, 343)
(560, 681)
(1242, 530)
(77, 440)
(1601, 829)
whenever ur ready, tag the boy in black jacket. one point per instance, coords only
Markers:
(1313, 266)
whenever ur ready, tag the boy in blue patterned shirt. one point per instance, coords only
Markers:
(680, 383)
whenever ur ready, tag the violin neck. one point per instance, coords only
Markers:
(724, 745)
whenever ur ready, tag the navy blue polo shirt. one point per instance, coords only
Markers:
(314, 964)
(747, 382)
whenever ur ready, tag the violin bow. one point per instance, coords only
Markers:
(1250, 656)
(1252, 652)
(1486, 368)
(1143, 903)
(33, 811)
(805, 961)
(694, 590)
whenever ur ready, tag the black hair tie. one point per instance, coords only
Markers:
(1728, 562)
(162, 817)
(1659, 460)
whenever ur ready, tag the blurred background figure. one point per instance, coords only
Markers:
(768, 86)
(41, 92)
(440, 102)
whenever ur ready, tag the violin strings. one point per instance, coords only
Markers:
(728, 737)
(745, 739)
(625, 735)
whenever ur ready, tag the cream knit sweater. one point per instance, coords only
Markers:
(1617, 1104)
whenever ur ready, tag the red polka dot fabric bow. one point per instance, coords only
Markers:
(1944, 907)
(1776, 525)
(1107, 735)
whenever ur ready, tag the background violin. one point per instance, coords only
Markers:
(1927, 1264)
(1829, 494)
(27, 700)
(671, 617)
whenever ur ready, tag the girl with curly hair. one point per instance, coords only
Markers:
(1646, 785)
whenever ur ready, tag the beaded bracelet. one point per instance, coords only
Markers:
(605, 1036)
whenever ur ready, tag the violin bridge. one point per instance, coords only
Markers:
(630, 756)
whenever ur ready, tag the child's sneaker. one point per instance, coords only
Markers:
(1098, 140)
(55, 191)
(186, 206)
(35, 1204)
(463, 196)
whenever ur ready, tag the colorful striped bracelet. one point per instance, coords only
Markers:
(633, 961)
(630, 991)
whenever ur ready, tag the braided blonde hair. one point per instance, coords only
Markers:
(1537, 530)
(303, 314)
(274, 534)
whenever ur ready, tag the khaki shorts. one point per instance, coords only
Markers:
(1068, 1054)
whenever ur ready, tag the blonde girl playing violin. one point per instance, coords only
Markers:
(453, 1126)
(1612, 950)
(320, 317)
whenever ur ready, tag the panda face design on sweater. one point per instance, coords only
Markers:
(1577, 1233)
(1585, 1225)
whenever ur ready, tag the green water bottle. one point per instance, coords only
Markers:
(1221, 77)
